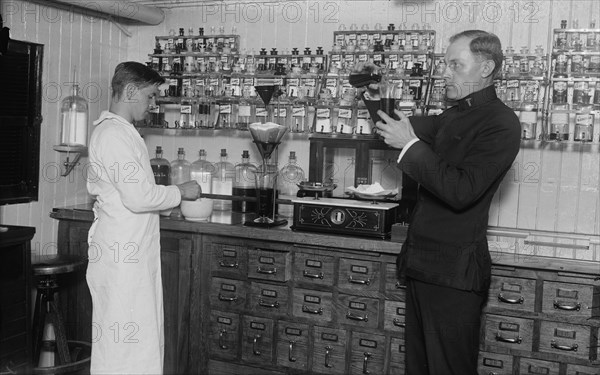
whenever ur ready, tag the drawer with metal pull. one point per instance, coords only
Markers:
(312, 304)
(359, 275)
(257, 340)
(269, 265)
(509, 332)
(397, 356)
(227, 294)
(314, 268)
(268, 298)
(530, 366)
(292, 345)
(512, 293)
(569, 299)
(358, 311)
(224, 331)
(230, 260)
(582, 370)
(494, 364)
(394, 316)
(329, 350)
(564, 338)
(367, 353)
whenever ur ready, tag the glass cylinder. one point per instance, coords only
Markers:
(74, 119)
(266, 193)
(244, 184)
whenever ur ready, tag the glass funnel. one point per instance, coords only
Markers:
(266, 137)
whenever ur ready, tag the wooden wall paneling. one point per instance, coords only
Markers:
(529, 180)
(587, 220)
(548, 188)
(569, 187)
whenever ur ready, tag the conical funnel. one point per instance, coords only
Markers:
(267, 137)
(265, 92)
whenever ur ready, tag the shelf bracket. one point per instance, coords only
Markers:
(70, 164)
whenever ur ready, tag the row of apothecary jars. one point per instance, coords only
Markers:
(323, 116)
(241, 63)
(563, 126)
(577, 40)
(576, 64)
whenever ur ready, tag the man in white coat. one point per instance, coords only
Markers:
(124, 270)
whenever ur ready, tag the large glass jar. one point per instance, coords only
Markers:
(74, 119)
(160, 167)
(244, 184)
(180, 168)
(222, 181)
(202, 170)
(289, 178)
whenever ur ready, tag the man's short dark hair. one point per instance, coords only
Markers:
(133, 72)
(483, 44)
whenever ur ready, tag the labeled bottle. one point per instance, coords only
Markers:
(180, 168)
(244, 184)
(289, 178)
(74, 119)
(160, 167)
(222, 181)
(202, 171)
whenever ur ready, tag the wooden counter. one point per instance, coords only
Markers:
(275, 301)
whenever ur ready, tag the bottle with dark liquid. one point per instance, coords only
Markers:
(160, 167)
(244, 184)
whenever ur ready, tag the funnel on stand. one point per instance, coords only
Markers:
(265, 92)
(267, 137)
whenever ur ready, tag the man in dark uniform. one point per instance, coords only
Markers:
(458, 159)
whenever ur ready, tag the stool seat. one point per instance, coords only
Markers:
(56, 264)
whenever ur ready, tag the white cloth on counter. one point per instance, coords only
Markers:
(124, 270)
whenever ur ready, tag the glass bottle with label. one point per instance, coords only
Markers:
(222, 181)
(244, 184)
(244, 110)
(180, 168)
(323, 118)
(160, 167)
(289, 178)
(584, 125)
(201, 171)
(559, 126)
(299, 116)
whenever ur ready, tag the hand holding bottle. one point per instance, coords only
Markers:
(190, 190)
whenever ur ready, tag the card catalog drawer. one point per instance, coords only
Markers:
(512, 293)
(269, 265)
(329, 350)
(359, 275)
(394, 316)
(224, 331)
(229, 259)
(312, 304)
(227, 294)
(314, 268)
(529, 366)
(257, 340)
(509, 332)
(358, 311)
(582, 370)
(268, 298)
(494, 364)
(393, 288)
(563, 338)
(367, 353)
(568, 299)
(397, 350)
(292, 345)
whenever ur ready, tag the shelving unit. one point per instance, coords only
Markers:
(574, 104)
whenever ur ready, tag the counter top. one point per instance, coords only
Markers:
(230, 224)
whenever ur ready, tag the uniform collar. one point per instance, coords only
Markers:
(477, 98)
(107, 115)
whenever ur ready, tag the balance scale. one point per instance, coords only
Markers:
(344, 216)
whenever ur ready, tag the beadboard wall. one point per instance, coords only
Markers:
(551, 187)
(71, 40)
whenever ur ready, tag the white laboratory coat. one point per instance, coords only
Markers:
(124, 273)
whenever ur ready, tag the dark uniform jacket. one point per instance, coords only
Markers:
(459, 161)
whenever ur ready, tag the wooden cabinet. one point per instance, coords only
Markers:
(176, 250)
(15, 299)
(240, 301)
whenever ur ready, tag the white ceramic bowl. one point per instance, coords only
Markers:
(198, 210)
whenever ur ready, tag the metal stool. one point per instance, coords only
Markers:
(46, 268)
